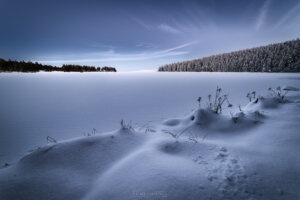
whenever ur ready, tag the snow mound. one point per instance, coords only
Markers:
(290, 88)
(264, 103)
(67, 169)
(202, 120)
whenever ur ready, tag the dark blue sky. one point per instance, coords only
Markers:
(140, 35)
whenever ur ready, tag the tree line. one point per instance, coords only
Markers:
(22, 66)
(280, 57)
(84, 68)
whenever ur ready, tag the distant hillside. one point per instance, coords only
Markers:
(16, 66)
(280, 57)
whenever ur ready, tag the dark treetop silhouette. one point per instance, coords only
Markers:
(15, 66)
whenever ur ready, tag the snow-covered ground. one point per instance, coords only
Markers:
(173, 149)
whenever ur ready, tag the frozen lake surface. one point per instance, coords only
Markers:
(66, 105)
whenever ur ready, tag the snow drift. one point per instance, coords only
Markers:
(251, 153)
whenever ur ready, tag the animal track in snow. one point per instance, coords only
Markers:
(225, 173)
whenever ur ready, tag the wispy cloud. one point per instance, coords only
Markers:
(111, 56)
(262, 15)
(146, 45)
(142, 23)
(160, 27)
(167, 28)
(176, 48)
(295, 10)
